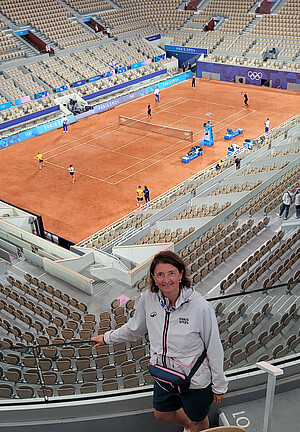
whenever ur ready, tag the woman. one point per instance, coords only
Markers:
(287, 200)
(181, 324)
(146, 194)
(149, 111)
(72, 173)
(297, 203)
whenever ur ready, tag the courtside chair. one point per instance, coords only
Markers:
(66, 390)
(102, 360)
(131, 381)
(63, 364)
(109, 371)
(31, 376)
(13, 374)
(25, 392)
(50, 378)
(89, 375)
(45, 392)
(88, 387)
(110, 385)
(69, 376)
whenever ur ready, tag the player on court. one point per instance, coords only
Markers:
(149, 111)
(40, 159)
(246, 100)
(194, 82)
(65, 124)
(139, 196)
(267, 125)
(72, 173)
(156, 93)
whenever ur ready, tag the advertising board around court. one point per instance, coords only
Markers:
(140, 93)
(248, 75)
(55, 124)
(30, 133)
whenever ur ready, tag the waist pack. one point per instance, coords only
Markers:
(172, 381)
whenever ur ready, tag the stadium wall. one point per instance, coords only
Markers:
(251, 75)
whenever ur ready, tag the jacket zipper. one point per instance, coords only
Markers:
(165, 332)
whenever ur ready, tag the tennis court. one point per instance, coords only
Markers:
(111, 160)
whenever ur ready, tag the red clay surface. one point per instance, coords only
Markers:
(111, 160)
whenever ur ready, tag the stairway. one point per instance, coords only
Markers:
(251, 25)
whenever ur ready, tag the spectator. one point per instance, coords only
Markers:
(183, 330)
(96, 28)
(48, 49)
(183, 67)
(297, 203)
(108, 32)
(286, 203)
(237, 162)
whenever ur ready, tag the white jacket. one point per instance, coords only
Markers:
(179, 337)
(297, 199)
(287, 198)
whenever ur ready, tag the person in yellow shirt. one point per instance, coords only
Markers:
(139, 196)
(40, 159)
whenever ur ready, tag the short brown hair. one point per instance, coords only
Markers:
(168, 257)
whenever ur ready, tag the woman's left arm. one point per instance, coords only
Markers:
(215, 354)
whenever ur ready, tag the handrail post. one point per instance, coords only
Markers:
(273, 372)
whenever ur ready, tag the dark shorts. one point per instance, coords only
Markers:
(41, 160)
(71, 173)
(195, 403)
(140, 199)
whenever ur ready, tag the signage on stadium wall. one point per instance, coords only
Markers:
(160, 57)
(5, 105)
(154, 37)
(109, 73)
(140, 93)
(28, 117)
(21, 32)
(185, 49)
(38, 130)
(41, 94)
(79, 83)
(22, 100)
(123, 85)
(62, 88)
(94, 78)
(254, 76)
(122, 69)
(139, 64)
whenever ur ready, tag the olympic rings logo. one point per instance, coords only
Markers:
(253, 75)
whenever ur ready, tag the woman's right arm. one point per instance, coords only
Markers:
(134, 329)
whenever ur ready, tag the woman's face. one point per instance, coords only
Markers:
(167, 278)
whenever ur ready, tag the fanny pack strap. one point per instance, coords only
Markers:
(197, 364)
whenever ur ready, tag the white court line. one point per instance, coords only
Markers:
(195, 133)
(83, 174)
(114, 151)
(240, 118)
(93, 139)
(77, 139)
(143, 160)
(154, 163)
(214, 103)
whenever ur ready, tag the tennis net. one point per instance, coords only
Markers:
(155, 128)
